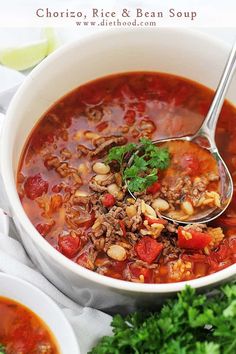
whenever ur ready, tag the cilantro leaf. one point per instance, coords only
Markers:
(139, 184)
(159, 158)
(138, 165)
(147, 160)
(117, 153)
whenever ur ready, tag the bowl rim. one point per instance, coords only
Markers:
(23, 219)
(32, 289)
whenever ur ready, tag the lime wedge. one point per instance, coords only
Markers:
(50, 35)
(24, 57)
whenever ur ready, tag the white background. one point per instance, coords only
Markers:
(17, 17)
(211, 13)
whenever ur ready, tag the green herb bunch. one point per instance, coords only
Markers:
(2, 349)
(190, 324)
(143, 170)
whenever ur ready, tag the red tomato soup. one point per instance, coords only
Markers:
(22, 331)
(73, 176)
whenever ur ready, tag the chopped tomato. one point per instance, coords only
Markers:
(232, 243)
(155, 221)
(148, 249)
(69, 245)
(57, 188)
(116, 269)
(195, 257)
(200, 269)
(214, 266)
(138, 271)
(122, 226)
(108, 200)
(35, 186)
(154, 188)
(163, 270)
(193, 239)
(84, 260)
(190, 164)
(129, 117)
(221, 254)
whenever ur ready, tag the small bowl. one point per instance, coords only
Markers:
(42, 305)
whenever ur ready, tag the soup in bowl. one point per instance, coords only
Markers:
(83, 113)
(74, 181)
(31, 322)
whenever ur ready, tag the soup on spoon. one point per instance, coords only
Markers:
(190, 185)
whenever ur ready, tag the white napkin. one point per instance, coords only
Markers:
(89, 324)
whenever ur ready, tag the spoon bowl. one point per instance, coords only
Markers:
(205, 138)
(226, 182)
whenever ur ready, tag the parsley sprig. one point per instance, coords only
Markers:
(143, 170)
(2, 349)
(191, 323)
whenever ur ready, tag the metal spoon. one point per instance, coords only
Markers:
(206, 133)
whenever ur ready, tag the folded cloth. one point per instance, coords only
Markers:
(89, 324)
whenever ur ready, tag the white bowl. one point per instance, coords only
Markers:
(182, 52)
(38, 302)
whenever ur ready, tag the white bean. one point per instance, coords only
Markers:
(120, 195)
(100, 178)
(131, 211)
(83, 168)
(160, 204)
(100, 168)
(187, 208)
(113, 189)
(117, 252)
(148, 210)
(79, 193)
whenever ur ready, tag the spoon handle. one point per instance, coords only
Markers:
(209, 125)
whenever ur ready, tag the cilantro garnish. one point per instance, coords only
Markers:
(143, 170)
(191, 323)
(117, 153)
